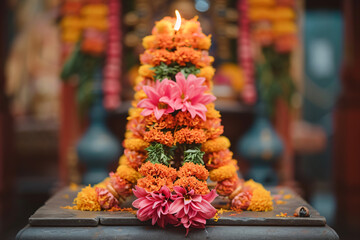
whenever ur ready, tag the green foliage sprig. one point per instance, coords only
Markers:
(194, 155)
(163, 71)
(158, 153)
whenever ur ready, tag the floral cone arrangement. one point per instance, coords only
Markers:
(173, 142)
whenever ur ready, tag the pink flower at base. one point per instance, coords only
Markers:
(241, 201)
(191, 96)
(160, 98)
(192, 209)
(154, 205)
(105, 198)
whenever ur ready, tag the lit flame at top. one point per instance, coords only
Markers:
(178, 21)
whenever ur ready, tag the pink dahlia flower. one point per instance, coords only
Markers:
(160, 99)
(154, 205)
(191, 96)
(192, 209)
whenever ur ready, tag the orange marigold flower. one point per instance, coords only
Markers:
(213, 128)
(146, 71)
(135, 144)
(128, 173)
(227, 186)
(149, 41)
(221, 173)
(134, 113)
(164, 26)
(189, 136)
(211, 112)
(207, 73)
(150, 183)
(166, 121)
(185, 55)
(192, 183)
(190, 169)
(123, 160)
(139, 95)
(215, 145)
(134, 158)
(217, 159)
(86, 200)
(160, 55)
(185, 40)
(204, 42)
(155, 135)
(185, 119)
(164, 41)
(191, 26)
(261, 200)
(158, 170)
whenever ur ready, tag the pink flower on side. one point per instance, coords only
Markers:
(192, 209)
(105, 198)
(241, 201)
(160, 99)
(154, 205)
(191, 96)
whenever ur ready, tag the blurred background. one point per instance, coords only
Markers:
(286, 73)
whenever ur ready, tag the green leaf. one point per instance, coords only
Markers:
(158, 153)
(194, 155)
(163, 71)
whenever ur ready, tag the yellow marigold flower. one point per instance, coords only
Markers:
(252, 184)
(138, 80)
(134, 113)
(212, 112)
(260, 14)
(140, 95)
(123, 160)
(71, 35)
(135, 144)
(128, 173)
(261, 200)
(164, 26)
(284, 27)
(204, 43)
(222, 173)
(71, 22)
(145, 71)
(98, 23)
(207, 73)
(191, 27)
(94, 10)
(283, 13)
(86, 200)
(149, 42)
(215, 145)
(129, 134)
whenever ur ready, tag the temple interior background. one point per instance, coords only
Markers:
(43, 117)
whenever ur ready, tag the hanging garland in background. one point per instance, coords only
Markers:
(272, 29)
(91, 38)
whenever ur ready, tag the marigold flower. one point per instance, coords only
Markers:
(192, 183)
(190, 169)
(158, 170)
(128, 173)
(135, 144)
(134, 113)
(155, 135)
(164, 26)
(150, 183)
(215, 145)
(137, 127)
(166, 121)
(105, 198)
(284, 27)
(211, 112)
(123, 160)
(149, 41)
(160, 55)
(217, 159)
(261, 200)
(165, 41)
(207, 73)
(86, 200)
(204, 43)
(95, 10)
(283, 13)
(227, 186)
(120, 185)
(185, 55)
(241, 201)
(146, 71)
(185, 119)
(185, 40)
(140, 95)
(134, 158)
(221, 173)
(213, 128)
(191, 27)
(189, 136)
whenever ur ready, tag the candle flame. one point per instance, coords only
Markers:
(178, 21)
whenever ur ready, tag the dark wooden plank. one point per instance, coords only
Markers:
(150, 233)
(51, 214)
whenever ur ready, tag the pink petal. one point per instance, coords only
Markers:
(176, 206)
(210, 196)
